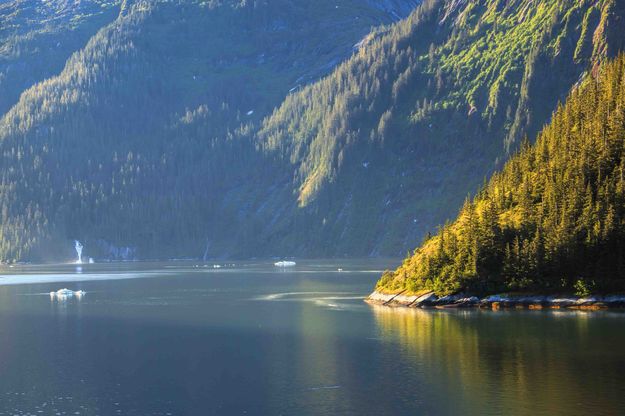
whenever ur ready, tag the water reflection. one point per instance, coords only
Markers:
(186, 341)
(511, 363)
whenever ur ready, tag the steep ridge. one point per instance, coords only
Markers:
(552, 220)
(390, 143)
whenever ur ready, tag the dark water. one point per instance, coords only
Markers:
(253, 340)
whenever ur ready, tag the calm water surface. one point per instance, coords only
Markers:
(178, 339)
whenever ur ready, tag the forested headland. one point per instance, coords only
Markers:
(552, 220)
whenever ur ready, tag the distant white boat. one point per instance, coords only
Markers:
(285, 264)
(66, 293)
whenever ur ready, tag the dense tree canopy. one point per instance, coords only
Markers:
(552, 219)
(389, 144)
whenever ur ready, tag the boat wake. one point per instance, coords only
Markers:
(295, 296)
(330, 300)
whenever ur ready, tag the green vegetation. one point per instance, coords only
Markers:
(552, 219)
(238, 128)
(390, 143)
(136, 142)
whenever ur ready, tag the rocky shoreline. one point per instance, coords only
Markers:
(496, 302)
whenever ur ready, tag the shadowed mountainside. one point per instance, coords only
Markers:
(236, 129)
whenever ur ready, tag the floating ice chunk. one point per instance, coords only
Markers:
(249, 113)
(285, 263)
(91, 260)
(66, 293)
(216, 266)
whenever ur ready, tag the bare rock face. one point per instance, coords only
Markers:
(425, 300)
(398, 9)
(379, 298)
(451, 8)
(400, 299)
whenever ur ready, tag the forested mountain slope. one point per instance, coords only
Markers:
(238, 128)
(132, 144)
(37, 37)
(392, 141)
(552, 219)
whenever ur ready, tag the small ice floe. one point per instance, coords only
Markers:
(249, 113)
(91, 261)
(339, 269)
(216, 266)
(285, 263)
(66, 293)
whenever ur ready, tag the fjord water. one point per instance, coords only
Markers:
(182, 338)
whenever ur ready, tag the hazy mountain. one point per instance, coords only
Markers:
(146, 110)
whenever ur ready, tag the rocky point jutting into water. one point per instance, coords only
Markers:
(428, 299)
(552, 221)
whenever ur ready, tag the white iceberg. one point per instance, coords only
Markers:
(285, 263)
(66, 293)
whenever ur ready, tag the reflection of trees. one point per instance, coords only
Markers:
(510, 363)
